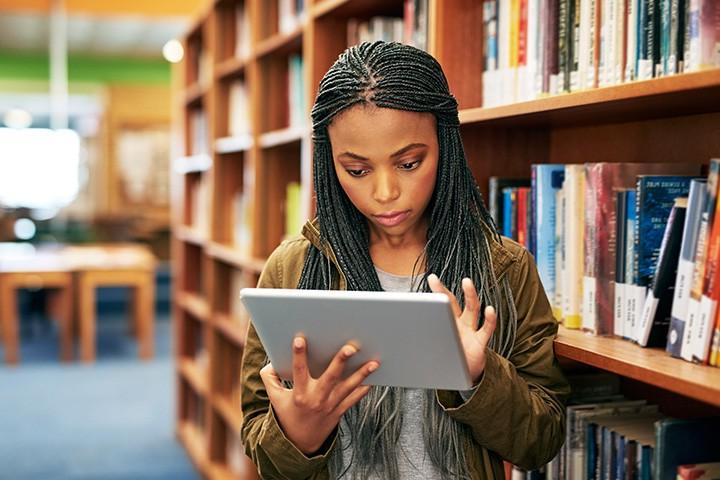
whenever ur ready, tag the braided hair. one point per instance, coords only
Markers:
(393, 75)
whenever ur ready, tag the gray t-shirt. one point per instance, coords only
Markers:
(413, 463)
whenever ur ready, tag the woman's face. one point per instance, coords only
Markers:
(386, 161)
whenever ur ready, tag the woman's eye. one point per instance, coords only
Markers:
(409, 165)
(357, 173)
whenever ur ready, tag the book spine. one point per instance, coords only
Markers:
(560, 248)
(589, 314)
(696, 205)
(621, 229)
(522, 204)
(631, 52)
(629, 288)
(563, 21)
(655, 321)
(574, 251)
(689, 344)
(507, 211)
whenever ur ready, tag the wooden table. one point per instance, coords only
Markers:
(111, 266)
(78, 271)
(28, 269)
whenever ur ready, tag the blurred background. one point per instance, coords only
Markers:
(85, 143)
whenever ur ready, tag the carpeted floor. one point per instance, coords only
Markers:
(109, 421)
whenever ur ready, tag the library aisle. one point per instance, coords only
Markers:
(87, 347)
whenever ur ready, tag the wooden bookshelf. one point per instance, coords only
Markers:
(673, 119)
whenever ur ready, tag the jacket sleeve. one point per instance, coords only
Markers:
(517, 408)
(275, 456)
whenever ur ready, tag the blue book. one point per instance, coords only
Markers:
(656, 195)
(680, 442)
(507, 216)
(547, 179)
(696, 205)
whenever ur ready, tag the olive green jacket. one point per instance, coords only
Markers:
(516, 412)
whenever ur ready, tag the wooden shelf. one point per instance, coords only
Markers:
(241, 143)
(194, 95)
(193, 164)
(231, 67)
(231, 414)
(685, 94)
(354, 8)
(231, 329)
(282, 43)
(194, 444)
(194, 304)
(648, 365)
(195, 376)
(230, 255)
(283, 137)
(190, 235)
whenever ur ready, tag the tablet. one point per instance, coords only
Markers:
(413, 335)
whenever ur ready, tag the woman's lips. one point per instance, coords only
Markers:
(391, 219)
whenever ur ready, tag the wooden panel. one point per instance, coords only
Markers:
(283, 167)
(456, 42)
(675, 95)
(651, 366)
(504, 152)
(692, 139)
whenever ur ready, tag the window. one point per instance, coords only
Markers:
(39, 168)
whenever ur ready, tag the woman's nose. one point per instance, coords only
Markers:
(386, 188)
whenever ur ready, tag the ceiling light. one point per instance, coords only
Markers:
(173, 51)
(17, 118)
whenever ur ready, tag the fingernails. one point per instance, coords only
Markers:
(350, 351)
(489, 310)
(432, 277)
(372, 367)
(298, 342)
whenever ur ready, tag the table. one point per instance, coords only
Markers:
(77, 271)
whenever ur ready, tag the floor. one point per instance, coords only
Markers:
(111, 420)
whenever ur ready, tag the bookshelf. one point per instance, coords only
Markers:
(242, 147)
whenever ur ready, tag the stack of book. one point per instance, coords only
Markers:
(536, 47)
(623, 249)
(296, 91)
(243, 32)
(238, 108)
(291, 14)
(242, 223)
(610, 436)
(411, 29)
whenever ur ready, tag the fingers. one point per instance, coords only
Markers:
(270, 378)
(333, 374)
(354, 397)
(472, 303)
(351, 383)
(485, 333)
(301, 375)
(437, 286)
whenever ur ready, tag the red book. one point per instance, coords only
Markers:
(522, 211)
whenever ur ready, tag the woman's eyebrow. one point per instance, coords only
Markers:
(396, 154)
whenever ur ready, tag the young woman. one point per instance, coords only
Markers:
(398, 209)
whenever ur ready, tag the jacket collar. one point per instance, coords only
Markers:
(501, 256)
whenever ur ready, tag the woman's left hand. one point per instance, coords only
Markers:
(474, 341)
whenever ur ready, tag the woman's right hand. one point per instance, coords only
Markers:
(310, 411)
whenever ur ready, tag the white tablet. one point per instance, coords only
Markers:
(412, 334)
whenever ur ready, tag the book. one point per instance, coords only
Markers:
(546, 181)
(704, 35)
(655, 319)
(655, 197)
(695, 207)
(699, 471)
(600, 242)
(621, 223)
(495, 195)
(690, 342)
(574, 247)
(684, 441)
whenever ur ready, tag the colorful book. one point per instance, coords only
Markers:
(495, 196)
(620, 260)
(690, 347)
(600, 242)
(691, 229)
(574, 247)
